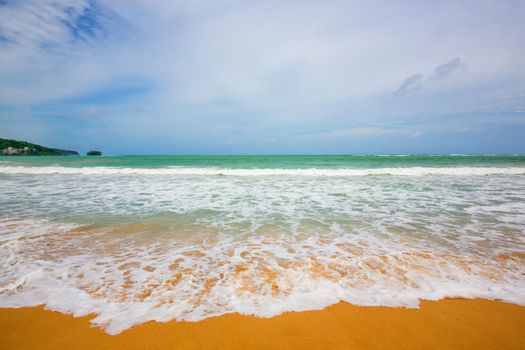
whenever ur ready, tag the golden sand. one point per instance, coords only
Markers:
(445, 324)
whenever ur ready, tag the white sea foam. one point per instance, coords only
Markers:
(127, 277)
(132, 248)
(321, 172)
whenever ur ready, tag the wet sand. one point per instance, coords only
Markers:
(445, 324)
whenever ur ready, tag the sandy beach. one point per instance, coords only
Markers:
(445, 324)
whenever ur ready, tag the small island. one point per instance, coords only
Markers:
(94, 153)
(23, 148)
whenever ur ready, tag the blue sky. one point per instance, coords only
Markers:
(264, 77)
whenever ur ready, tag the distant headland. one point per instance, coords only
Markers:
(22, 148)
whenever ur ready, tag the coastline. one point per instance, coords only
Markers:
(444, 324)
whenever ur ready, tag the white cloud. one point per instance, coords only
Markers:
(249, 67)
(33, 23)
(362, 131)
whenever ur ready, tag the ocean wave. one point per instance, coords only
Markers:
(128, 279)
(212, 171)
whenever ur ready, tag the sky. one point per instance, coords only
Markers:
(264, 77)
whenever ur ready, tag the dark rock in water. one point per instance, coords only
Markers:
(22, 148)
(94, 153)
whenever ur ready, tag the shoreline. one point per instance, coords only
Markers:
(443, 324)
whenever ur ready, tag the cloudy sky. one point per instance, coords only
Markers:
(264, 77)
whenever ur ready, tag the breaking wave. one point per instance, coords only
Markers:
(321, 172)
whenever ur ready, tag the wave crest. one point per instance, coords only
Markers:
(323, 172)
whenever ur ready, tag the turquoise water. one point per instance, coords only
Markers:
(358, 161)
(139, 238)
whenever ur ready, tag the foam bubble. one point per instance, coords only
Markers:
(127, 276)
(132, 245)
(316, 172)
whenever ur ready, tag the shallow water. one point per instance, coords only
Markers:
(134, 239)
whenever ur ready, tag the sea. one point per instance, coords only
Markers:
(132, 239)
